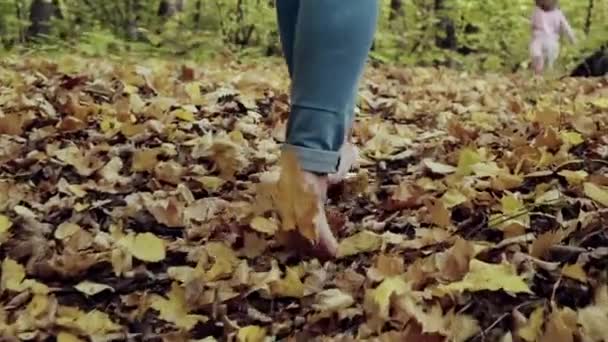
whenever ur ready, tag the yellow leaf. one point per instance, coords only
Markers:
(548, 197)
(576, 272)
(584, 124)
(148, 247)
(110, 125)
(67, 337)
(453, 198)
(511, 205)
(593, 319)
(91, 323)
(225, 261)
(91, 288)
(438, 168)
(601, 103)
(210, 183)
(289, 286)
(251, 333)
(574, 177)
(194, 92)
(5, 225)
(145, 247)
(560, 327)
(462, 328)
(514, 209)
(332, 300)
(488, 169)
(572, 138)
(362, 242)
(264, 225)
(378, 300)
(182, 274)
(296, 203)
(145, 160)
(530, 331)
(492, 277)
(174, 309)
(38, 305)
(13, 275)
(596, 193)
(184, 114)
(66, 230)
(466, 159)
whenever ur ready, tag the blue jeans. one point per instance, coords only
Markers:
(325, 44)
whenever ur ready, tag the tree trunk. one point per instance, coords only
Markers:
(446, 35)
(41, 12)
(198, 15)
(589, 16)
(396, 10)
(169, 8)
(134, 8)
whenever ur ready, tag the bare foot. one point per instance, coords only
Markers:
(326, 244)
(348, 158)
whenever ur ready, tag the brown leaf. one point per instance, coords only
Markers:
(438, 213)
(543, 243)
(11, 124)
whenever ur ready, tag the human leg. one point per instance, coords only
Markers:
(332, 40)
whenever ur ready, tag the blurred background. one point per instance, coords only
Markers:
(478, 35)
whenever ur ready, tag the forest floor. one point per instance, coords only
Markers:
(136, 204)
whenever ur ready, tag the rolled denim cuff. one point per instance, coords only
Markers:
(313, 160)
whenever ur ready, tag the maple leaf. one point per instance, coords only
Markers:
(251, 333)
(594, 317)
(492, 277)
(296, 203)
(531, 330)
(560, 326)
(174, 309)
(92, 323)
(362, 242)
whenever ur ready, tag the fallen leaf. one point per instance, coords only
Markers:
(596, 193)
(92, 323)
(5, 225)
(90, 288)
(574, 177)
(332, 300)
(377, 301)
(145, 160)
(438, 168)
(362, 242)
(289, 286)
(492, 277)
(264, 225)
(251, 333)
(560, 326)
(296, 204)
(67, 337)
(543, 243)
(174, 309)
(530, 331)
(438, 213)
(575, 271)
(65, 230)
(145, 246)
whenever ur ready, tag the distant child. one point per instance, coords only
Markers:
(548, 24)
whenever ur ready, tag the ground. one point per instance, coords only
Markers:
(137, 203)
